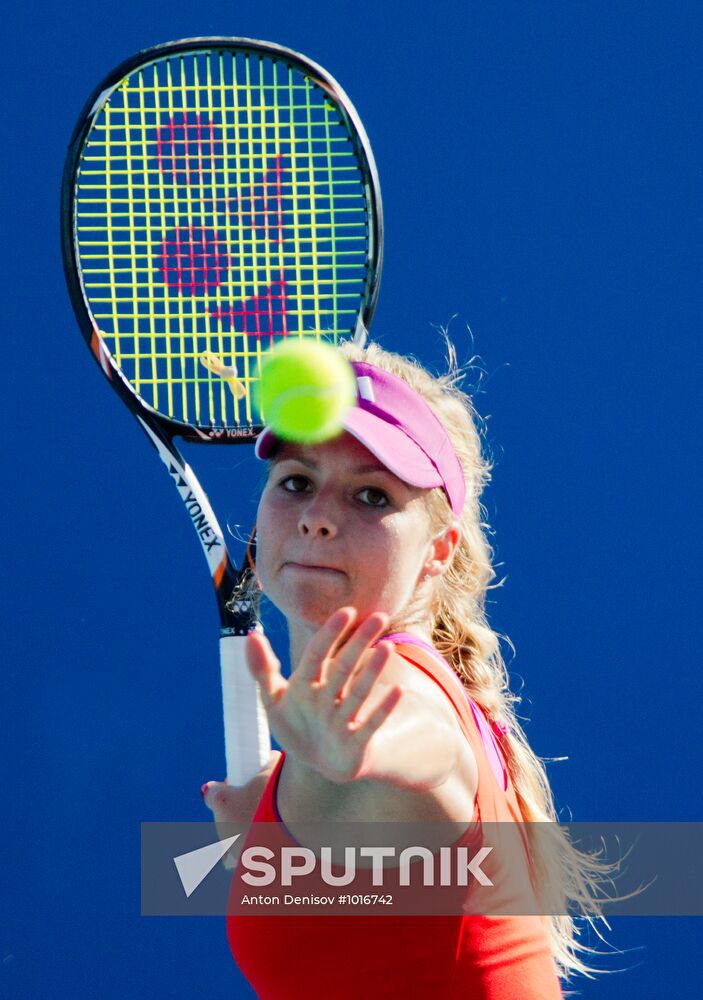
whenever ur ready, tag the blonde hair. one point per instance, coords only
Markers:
(562, 876)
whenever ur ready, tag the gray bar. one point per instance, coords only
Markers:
(447, 869)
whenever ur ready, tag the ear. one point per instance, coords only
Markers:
(441, 550)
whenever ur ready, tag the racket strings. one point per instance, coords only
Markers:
(220, 205)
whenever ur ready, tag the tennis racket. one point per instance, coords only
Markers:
(219, 195)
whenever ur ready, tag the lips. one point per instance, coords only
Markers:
(313, 567)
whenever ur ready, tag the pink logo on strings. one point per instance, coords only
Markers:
(188, 149)
(196, 260)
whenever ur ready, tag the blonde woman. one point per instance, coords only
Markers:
(397, 707)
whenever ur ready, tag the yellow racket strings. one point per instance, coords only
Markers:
(219, 207)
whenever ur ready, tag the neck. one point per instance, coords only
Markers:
(300, 634)
(298, 638)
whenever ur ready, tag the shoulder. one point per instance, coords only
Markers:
(430, 709)
(428, 685)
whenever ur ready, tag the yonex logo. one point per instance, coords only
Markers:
(200, 521)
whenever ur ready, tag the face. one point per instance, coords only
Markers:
(336, 528)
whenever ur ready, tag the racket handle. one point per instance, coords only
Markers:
(247, 739)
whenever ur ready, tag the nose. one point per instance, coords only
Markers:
(317, 520)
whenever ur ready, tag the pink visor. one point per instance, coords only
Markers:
(400, 429)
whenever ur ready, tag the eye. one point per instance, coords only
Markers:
(294, 484)
(375, 497)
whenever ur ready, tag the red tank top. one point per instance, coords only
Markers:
(423, 957)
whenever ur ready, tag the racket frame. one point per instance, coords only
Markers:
(92, 108)
(247, 739)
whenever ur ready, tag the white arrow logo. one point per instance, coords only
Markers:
(196, 865)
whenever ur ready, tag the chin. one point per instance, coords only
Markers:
(308, 608)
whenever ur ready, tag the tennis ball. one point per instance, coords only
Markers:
(305, 389)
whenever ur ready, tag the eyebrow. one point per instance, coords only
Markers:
(312, 464)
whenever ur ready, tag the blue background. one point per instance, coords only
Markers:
(541, 191)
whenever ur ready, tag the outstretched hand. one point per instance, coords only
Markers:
(328, 711)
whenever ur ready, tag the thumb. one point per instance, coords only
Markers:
(264, 666)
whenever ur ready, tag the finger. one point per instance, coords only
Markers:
(347, 658)
(375, 720)
(222, 800)
(362, 683)
(324, 643)
(265, 667)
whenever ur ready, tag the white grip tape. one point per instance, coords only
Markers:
(247, 739)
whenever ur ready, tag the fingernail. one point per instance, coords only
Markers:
(203, 790)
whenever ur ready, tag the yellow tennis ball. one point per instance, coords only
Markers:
(305, 389)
